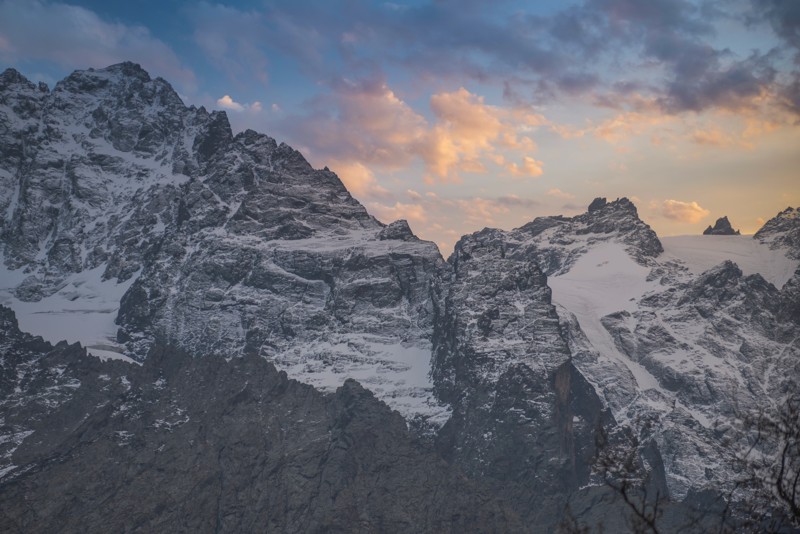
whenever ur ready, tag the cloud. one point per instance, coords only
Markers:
(409, 212)
(669, 50)
(530, 168)
(359, 121)
(558, 193)
(716, 137)
(75, 37)
(231, 40)
(628, 124)
(469, 133)
(703, 81)
(228, 103)
(783, 16)
(687, 212)
(514, 201)
(481, 209)
(367, 122)
(358, 179)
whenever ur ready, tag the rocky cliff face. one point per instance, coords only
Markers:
(220, 243)
(134, 223)
(646, 344)
(523, 416)
(680, 354)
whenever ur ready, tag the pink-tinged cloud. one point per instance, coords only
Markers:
(368, 123)
(687, 212)
(76, 37)
(530, 168)
(559, 194)
(409, 212)
(469, 131)
(623, 126)
(364, 122)
(714, 137)
(228, 103)
(358, 179)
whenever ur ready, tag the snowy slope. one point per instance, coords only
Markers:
(699, 253)
(603, 281)
(83, 310)
(701, 337)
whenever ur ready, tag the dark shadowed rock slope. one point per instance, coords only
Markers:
(186, 444)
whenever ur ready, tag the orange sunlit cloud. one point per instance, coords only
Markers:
(376, 129)
(530, 168)
(409, 212)
(688, 212)
(558, 193)
(358, 178)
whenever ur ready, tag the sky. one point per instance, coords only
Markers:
(462, 114)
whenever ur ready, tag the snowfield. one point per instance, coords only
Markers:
(702, 252)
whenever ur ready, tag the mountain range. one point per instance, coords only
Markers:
(202, 332)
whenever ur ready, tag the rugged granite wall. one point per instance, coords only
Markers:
(523, 416)
(673, 357)
(229, 243)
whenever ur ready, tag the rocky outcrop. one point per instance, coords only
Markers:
(721, 227)
(38, 381)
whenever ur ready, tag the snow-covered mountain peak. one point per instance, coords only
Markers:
(113, 77)
(122, 204)
(560, 241)
(620, 204)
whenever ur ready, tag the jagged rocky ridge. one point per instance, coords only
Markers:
(230, 245)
